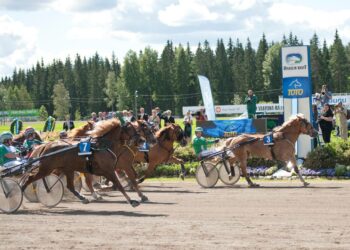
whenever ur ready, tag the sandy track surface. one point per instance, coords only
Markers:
(181, 215)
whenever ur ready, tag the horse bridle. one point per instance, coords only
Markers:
(135, 137)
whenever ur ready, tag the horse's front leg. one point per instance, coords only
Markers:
(88, 181)
(176, 160)
(243, 165)
(130, 172)
(70, 185)
(295, 167)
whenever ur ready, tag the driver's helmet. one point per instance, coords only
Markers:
(5, 136)
(29, 131)
(199, 129)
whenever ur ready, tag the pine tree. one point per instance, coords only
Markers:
(316, 61)
(111, 90)
(338, 65)
(259, 59)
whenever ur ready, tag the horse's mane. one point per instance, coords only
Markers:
(162, 131)
(81, 130)
(289, 122)
(103, 127)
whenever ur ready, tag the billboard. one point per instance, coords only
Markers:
(295, 72)
(207, 97)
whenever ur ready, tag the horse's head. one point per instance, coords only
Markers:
(306, 127)
(177, 134)
(145, 130)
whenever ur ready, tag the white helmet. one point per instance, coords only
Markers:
(5, 136)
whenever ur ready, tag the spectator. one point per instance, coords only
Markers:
(16, 126)
(340, 120)
(251, 101)
(68, 124)
(131, 117)
(188, 121)
(159, 114)
(49, 124)
(142, 115)
(325, 95)
(315, 123)
(125, 116)
(201, 116)
(168, 118)
(326, 123)
(154, 120)
(94, 117)
(100, 116)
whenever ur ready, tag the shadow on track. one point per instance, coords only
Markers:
(80, 212)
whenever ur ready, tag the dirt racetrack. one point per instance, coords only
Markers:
(181, 215)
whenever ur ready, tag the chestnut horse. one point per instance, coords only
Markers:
(283, 149)
(162, 151)
(102, 162)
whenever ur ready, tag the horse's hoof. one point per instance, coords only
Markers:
(306, 184)
(134, 203)
(85, 201)
(182, 176)
(254, 185)
(144, 198)
(97, 197)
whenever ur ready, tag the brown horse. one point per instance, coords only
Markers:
(126, 153)
(283, 149)
(81, 131)
(162, 151)
(102, 162)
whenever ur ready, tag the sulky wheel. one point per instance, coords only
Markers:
(11, 195)
(210, 180)
(30, 192)
(49, 190)
(224, 175)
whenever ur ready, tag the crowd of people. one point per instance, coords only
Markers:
(327, 118)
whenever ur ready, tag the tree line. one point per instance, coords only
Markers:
(169, 79)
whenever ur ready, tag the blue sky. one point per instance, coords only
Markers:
(48, 29)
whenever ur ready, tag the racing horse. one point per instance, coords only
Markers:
(162, 151)
(125, 151)
(76, 133)
(102, 162)
(283, 149)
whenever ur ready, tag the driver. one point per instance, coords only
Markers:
(9, 155)
(30, 140)
(200, 144)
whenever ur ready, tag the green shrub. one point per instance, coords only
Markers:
(185, 153)
(340, 170)
(321, 157)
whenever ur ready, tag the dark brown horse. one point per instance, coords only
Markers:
(283, 149)
(162, 151)
(102, 162)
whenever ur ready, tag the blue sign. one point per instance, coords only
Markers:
(220, 127)
(268, 139)
(296, 87)
(84, 148)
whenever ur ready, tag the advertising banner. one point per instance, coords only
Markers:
(207, 97)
